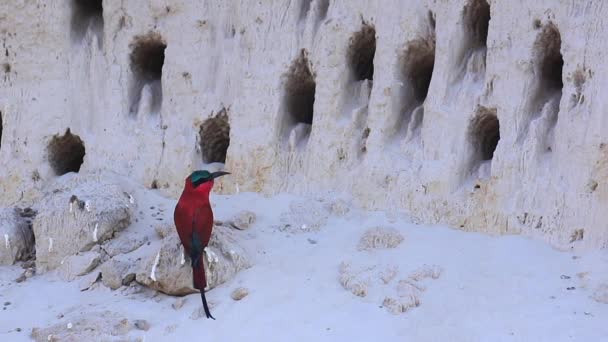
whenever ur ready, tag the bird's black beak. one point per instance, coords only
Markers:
(217, 174)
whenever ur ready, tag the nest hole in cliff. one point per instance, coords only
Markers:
(214, 136)
(361, 52)
(87, 15)
(66, 153)
(548, 54)
(484, 133)
(417, 64)
(415, 70)
(477, 21)
(299, 98)
(147, 60)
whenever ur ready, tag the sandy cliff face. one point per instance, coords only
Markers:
(487, 116)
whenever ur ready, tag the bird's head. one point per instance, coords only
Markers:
(202, 180)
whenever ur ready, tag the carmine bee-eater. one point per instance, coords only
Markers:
(193, 219)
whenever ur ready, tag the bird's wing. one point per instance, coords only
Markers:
(183, 224)
(202, 225)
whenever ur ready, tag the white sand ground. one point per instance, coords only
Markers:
(507, 288)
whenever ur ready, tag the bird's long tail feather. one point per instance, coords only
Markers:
(200, 282)
(205, 306)
(198, 265)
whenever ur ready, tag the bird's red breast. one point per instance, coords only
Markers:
(193, 214)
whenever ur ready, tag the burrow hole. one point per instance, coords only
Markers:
(214, 137)
(484, 134)
(87, 15)
(147, 60)
(415, 72)
(547, 97)
(65, 153)
(361, 52)
(299, 100)
(476, 18)
(549, 58)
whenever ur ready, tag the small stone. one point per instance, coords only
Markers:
(18, 330)
(70, 325)
(128, 279)
(570, 288)
(121, 328)
(563, 276)
(312, 242)
(179, 303)
(7, 303)
(243, 220)
(142, 324)
(239, 293)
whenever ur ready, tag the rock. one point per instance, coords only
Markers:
(116, 271)
(142, 324)
(178, 303)
(169, 271)
(16, 236)
(87, 281)
(122, 327)
(380, 237)
(30, 272)
(600, 294)
(426, 271)
(20, 278)
(78, 265)
(128, 279)
(239, 293)
(27, 273)
(388, 274)
(243, 220)
(63, 227)
(401, 305)
(353, 281)
(410, 290)
(120, 245)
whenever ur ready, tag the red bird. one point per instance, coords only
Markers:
(193, 219)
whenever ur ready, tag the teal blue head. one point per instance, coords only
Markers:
(203, 176)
